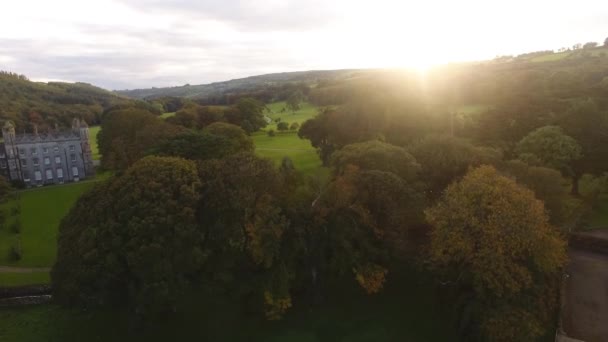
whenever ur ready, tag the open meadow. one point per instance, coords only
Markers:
(40, 212)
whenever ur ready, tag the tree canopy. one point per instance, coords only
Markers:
(493, 236)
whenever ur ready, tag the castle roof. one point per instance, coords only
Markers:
(29, 138)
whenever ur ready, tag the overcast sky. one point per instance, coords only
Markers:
(118, 44)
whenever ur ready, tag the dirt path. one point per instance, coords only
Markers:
(10, 269)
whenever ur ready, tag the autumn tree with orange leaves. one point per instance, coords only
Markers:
(492, 240)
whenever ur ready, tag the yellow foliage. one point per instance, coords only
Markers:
(276, 307)
(495, 231)
(371, 277)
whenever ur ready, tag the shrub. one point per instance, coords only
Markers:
(283, 126)
(271, 133)
(294, 126)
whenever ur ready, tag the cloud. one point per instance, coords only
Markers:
(260, 15)
(120, 44)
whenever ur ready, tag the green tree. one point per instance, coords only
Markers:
(550, 187)
(133, 240)
(126, 134)
(283, 126)
(196, 116)
(588, 124)
(232, 132)
(492, 238)
(247, 113)
(376, 155)
(590, 45)
(294, 100)
(246, 228)
(444, 159)
(197, 146)
(549, 146)
(294, 126)
(5, 189)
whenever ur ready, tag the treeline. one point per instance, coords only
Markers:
(47, 105)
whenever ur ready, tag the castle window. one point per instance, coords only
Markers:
(56, 149)
(72, 148)
(2, 155)
(38, 175)
(47, 161)
(23, 162)
(3, 164)
(75, 171)
(73, 157)
(21, 151)
(35, 160)
(49, 174)
(34, 152)
(45, 150)
(59, 173)
(26, 176)
(57, 160)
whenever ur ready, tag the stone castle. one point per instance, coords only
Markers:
(47, 158)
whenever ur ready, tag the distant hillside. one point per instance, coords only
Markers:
(238, 85)
(54, 103)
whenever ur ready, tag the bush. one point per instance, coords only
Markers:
(271, 133)
(592, 187)
(15, 253)
(283, 126)
(294, 126)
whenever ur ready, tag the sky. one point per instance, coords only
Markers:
(127, 44)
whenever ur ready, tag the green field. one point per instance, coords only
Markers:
(407, 310)
(167, 115)
(93, 131)
(41, 212)
(303, 155)
(26, 278)
(307, 111)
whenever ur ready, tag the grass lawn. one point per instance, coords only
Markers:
(303, 155)
(167, 115)
(41, 212)
(307, 111)
(18, 279)
(93, 131)
(407, 310)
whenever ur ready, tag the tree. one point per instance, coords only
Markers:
(606, 42)
(283, 126)
(590, 45)
(197, 146)
(294, 100)
(376, 155)
(196, 116)
(247, 229)
(492, 238)
(548, 146)
(586, 123)
(548, 186)
(294, 126)
(247, 113)
(127, 133)
(132, 241)
(232, 132)
(444, 159)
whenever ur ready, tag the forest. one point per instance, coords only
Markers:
(467, 178)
